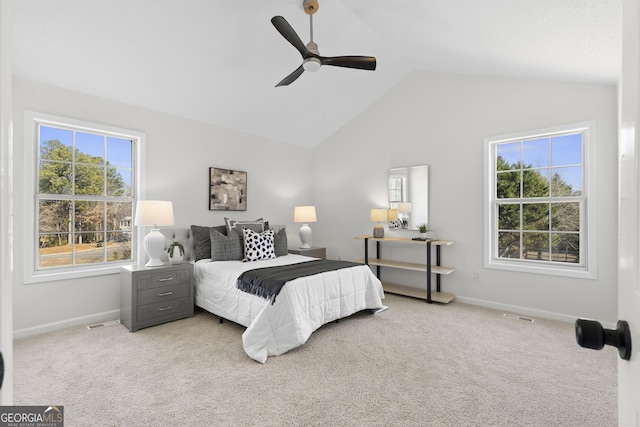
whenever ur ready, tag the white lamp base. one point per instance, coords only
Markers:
(154, 244)
(305, 236)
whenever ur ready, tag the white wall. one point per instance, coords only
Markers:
(441, 120)
(179, 153)
(428, 118)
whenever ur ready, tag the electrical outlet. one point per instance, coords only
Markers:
(476, 275)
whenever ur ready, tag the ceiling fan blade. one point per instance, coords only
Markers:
(359, 62)
(291, 77)
(289, 33)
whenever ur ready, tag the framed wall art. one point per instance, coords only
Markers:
(227, 190)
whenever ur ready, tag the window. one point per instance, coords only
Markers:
(396, 190)
(84, 179)
(539, 206)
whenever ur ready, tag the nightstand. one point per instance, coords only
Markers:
(313, 252)
(153, 295)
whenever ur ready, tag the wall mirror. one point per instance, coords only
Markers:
(408, 189)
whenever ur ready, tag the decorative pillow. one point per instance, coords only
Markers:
(202, 240)
(258, 246)
(225, 248)
(258, 225)
(280, 244)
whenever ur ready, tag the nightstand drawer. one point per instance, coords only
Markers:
(167, 278)
(161, 309)
(165, 293)
(153, 295)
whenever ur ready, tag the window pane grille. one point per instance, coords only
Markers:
(539, 198)
(396, 190)
(84, 197)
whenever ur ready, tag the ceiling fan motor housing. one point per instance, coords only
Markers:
(313, 47)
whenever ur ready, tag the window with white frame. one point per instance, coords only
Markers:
(539, 201)
(84, 181)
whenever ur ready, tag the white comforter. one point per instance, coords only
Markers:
(303, 305)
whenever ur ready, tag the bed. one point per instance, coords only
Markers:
(302, 305)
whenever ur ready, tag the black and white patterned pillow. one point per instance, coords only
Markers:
(258, 246)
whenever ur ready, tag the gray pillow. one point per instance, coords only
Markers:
(202, 240)
(280, 242)
(225, 248)
(258, 225)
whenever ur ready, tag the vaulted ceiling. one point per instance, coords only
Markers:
(218, 61)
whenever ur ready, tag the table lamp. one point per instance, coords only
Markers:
(392, 215)
(405, 209)
(154, 213)
(305, 214)
(379, 216)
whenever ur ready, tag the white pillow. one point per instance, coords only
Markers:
(258, 246)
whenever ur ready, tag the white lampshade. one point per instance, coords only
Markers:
(305, 214)
(404, 207)
(379, 215)
(155, 213)
(393, 214)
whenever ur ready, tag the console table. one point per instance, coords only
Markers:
(436, 269)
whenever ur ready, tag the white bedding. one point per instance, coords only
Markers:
(303, 305)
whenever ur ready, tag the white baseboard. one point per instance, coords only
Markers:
(68, 323)
(531, 312)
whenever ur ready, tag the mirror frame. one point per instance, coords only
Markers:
(413, 188)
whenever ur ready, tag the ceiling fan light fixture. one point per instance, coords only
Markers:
(311, 64)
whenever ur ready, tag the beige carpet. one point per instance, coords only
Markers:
(414, 364)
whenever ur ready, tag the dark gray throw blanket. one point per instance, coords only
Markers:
(268, 281)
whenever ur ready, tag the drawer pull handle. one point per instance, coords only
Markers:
(164, 308)
(164, 294)
(166, 279)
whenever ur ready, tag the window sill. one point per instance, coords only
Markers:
(552, 270)
(76, 273)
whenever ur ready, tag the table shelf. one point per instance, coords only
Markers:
(429, 268)
(436, 269)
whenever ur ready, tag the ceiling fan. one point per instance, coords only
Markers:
(311, 59)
